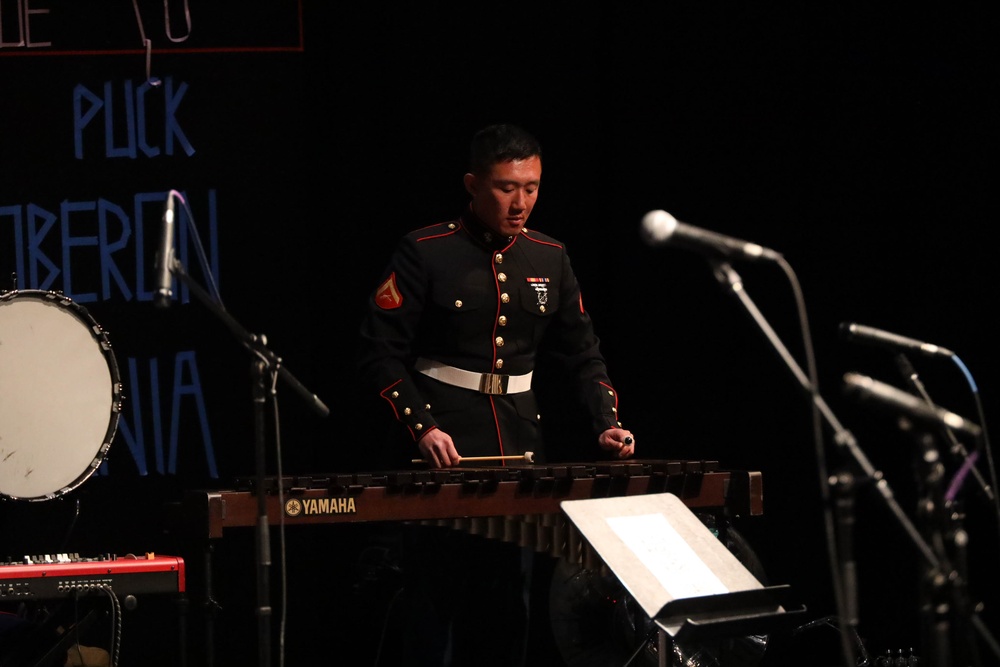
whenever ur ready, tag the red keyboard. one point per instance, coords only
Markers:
(63, 575)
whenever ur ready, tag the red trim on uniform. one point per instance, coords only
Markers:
(496, 422)
(387, 296)
(418, 439)
(396, 414)
(496, 316)
(496, 319)
(437, 236)
(389, 400)
(526, 234)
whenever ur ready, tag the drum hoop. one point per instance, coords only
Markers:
(98, 333)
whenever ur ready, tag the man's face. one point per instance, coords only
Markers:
(504, 197)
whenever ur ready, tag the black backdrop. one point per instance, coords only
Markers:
(307, 137)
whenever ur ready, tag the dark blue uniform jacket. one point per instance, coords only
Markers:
(457, 294)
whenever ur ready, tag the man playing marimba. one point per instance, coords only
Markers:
(450, 343)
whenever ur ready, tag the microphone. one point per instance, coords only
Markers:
(863, 334)
(661, 228)
(165, 257)
(865, 388)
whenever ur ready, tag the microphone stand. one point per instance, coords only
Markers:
(844, 481)
(909, 373)
(935, 605)
(264, 361)
(942, 515)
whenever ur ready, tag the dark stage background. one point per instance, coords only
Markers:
(859, 142)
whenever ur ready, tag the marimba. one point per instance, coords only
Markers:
(519, 503)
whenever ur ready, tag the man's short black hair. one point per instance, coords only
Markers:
(500, 143)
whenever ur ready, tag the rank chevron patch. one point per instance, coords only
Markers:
(387, 295)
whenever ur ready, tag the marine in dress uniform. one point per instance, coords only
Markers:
(455, 327)
(450, 344)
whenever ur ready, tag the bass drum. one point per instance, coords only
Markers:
(60, 395)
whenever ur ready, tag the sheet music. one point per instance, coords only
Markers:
(658, 548)
(667, 555)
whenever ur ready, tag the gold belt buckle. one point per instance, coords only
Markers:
(493, 384)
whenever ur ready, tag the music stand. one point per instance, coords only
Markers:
(677, 570)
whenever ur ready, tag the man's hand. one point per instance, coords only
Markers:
(617, 440)
(438, 448)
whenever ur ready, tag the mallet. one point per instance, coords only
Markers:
(528, 457)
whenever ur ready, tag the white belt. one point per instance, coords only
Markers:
(486, 383)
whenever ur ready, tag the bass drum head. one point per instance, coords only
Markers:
(60, 395)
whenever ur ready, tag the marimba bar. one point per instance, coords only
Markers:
(473, 495)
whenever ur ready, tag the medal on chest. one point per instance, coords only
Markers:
(541, 287)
